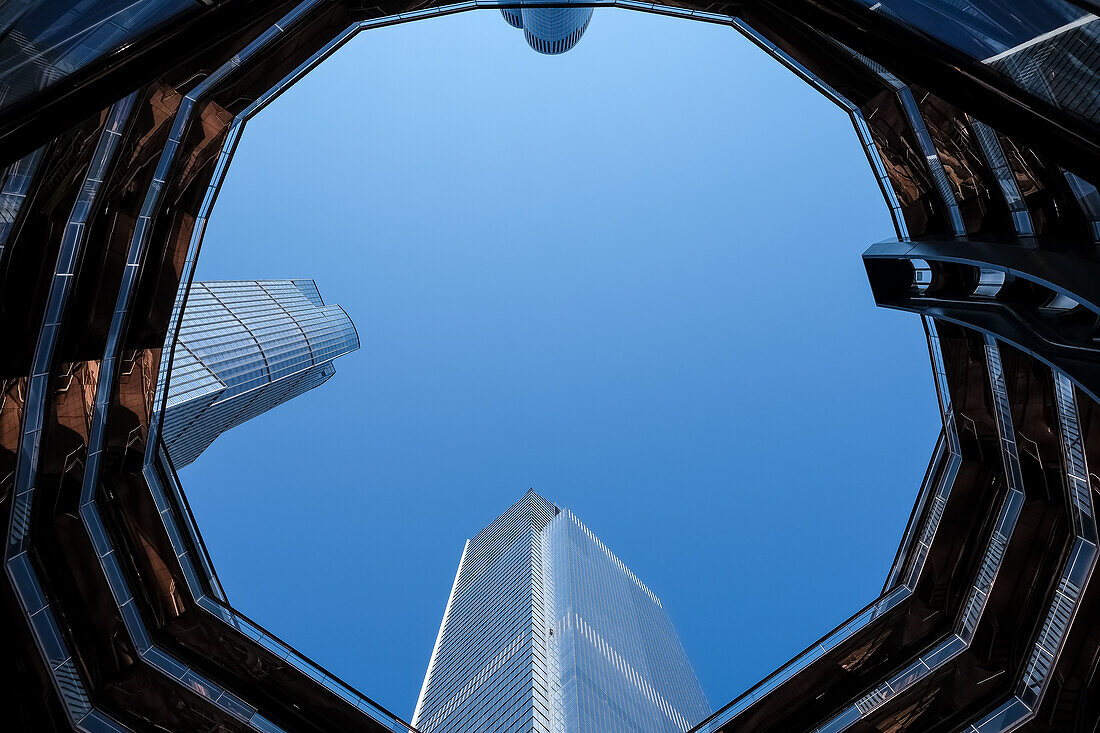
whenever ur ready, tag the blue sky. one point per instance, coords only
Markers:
(628, 277)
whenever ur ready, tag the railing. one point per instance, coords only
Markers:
(943, 479)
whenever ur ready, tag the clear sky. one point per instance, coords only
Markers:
(628, 277)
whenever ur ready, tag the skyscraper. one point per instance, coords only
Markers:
(245, 347)
(981, 123)
(549, 30)
(547, 630)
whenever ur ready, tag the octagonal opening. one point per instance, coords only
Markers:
(658, 319)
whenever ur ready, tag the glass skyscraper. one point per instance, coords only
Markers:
(547, 630)
(549, 30)
(119, 120)
(244, 347)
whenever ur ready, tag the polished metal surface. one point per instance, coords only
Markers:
(118, 122)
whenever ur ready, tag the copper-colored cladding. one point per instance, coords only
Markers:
(1054, 211)
(12, 396)
(184, 629)
(138, 530)
(979, 197)
(195, 161)
(905, 164)
(898, 148)
(68, 422)
(858, 664)
(889, 127)
(161, 576)
(132, 407)
(80, 597)
(907, 718)
(1043, 522)
(162, 103)
(858, 657)
(126, 685)
(108, 236)
(144, 536)
(175, 223)
(31, 251)
(1019, 599)
(75, 398)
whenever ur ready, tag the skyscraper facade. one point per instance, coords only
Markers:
(980, 122)
(549, 30)
(244, 347)
(547, 630)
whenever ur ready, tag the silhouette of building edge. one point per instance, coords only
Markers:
(978, 119)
